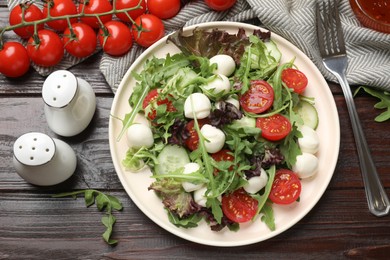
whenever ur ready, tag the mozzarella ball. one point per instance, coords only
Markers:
(220, 84)
(200, 103)
(306, 165)
(309, 142)
(139, 135)
(188, 186)
(199, 196)
(256, 183)
(225, 64)
(215, 138)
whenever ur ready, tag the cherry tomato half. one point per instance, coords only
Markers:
(14, 59)
(153, 97)
(49, 51)
(124, 4)
(60, 8)
(239, 206)
(223, 155)
(220, 5)
(31, 13)
(193, 141)
(258, 98)
(115, 38)
(274, 128)
(83, 43)
(294, 79)
(286, 187)
(164, 9)
(95, 7)
(148, 29)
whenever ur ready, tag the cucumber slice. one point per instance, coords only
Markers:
(308, 113)
(171, 158)
(273, 50)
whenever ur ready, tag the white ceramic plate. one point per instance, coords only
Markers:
(136, 184)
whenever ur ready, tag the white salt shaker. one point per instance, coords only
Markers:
(42, 160)
(70, 103)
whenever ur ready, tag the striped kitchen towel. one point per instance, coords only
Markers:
(368, 51)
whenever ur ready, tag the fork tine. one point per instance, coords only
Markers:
(329, 30)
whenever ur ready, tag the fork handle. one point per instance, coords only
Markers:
(378, 202)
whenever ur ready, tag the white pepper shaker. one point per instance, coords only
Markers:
(42, 160)
(70, 103)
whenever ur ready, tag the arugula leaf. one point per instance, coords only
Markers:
(268, 216)
(102, 201)
(384, 102)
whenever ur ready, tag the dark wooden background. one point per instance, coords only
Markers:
(35, 226)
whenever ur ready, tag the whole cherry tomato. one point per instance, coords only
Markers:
(95, 7)
(14, 59)
(115, 37)
(220, 5)
(59, 8)
(31, 13)
(164, 9)
(49, 49)
(82, 42)
(124, 4)
(148, 29)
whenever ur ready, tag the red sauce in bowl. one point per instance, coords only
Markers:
(374, 14)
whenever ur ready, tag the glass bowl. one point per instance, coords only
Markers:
(374, 14)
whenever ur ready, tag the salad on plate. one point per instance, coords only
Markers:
(228, 132)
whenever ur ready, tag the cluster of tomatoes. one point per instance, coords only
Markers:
(78, 28)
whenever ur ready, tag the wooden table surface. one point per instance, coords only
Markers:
(33, 225)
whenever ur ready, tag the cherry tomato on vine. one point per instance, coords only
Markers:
(14, 59)
(148, 29)
(164, 9)
(83, 41)
(274, 128)
(239, 206)
(124, 4)
(115, 37)
(294, 79)
(220, 5)
(153, 96)
(31, 13)
(59, 8)
(49, 51)
(95, 7)
(193, 140)
(286, 187)
(258, 98)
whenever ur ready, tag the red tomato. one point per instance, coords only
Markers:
(274, 128)
(31, 13)
(148, 29)
(14, 59)
(95, 7)
(238, 206)
(258, 98)
(164, 9)
(60, 8)
(115, 38)
(223, 155)
(295, 79)
(82, 43)
(124, 4)
(193, 141)
(49, 51)
(153, 96)
(220, 5)
(286, 187)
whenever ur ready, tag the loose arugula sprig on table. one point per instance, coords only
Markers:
(384, 102)
(103, 202)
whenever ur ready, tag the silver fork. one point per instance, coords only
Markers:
(332, 48)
